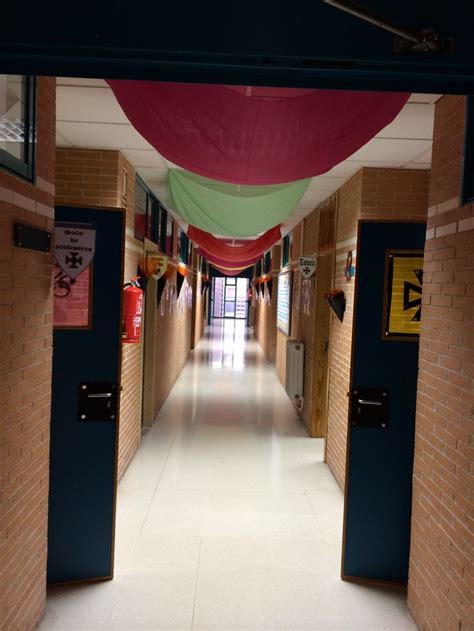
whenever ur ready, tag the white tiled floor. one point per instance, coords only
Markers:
(227, 517)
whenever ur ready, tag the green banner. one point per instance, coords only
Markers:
(229, 209)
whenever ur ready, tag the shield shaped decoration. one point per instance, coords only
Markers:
(307, 265)
(74, 247)
(156, 265)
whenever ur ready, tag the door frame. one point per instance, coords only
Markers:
(110, 577)
(360, 579)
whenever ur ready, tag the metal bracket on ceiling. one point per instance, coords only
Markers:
(408, 39)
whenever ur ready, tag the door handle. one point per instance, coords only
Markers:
(367, 402)
(99, 395)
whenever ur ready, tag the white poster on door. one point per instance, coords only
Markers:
(74, 247)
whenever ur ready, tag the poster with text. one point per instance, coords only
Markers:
(284, 302)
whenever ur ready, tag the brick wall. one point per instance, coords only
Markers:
(26, 312)
(348, 211)
(266, 314)
(306, 328)
(132, 354)
(94, 178)
(441, 578)
(173, 343)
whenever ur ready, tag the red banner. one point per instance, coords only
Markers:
(249, 135)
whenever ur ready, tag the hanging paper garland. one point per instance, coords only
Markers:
(228, 209)
(254, 135)
(234, 254)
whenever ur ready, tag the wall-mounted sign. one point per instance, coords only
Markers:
(284, 302)
(403, 287)
(72, 299)
(307, 265)
(74, 247)
(156, 265)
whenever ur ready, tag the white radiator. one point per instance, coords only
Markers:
(294, 369)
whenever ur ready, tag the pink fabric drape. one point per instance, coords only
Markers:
(216, 261)
(234, 254)
(254, 135)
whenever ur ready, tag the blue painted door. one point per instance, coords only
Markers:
(83, 452)
(380, 443)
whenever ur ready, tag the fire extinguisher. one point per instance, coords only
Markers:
(132, 312)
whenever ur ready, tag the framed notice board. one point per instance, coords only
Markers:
(284, 302)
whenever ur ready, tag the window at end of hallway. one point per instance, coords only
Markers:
(17, 124)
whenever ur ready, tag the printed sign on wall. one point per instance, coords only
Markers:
(72, 299)
(284, 302)
(74, 247)
(156, 265)
(403, 288)
(307, 265)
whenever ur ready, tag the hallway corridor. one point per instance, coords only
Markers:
(227, 517)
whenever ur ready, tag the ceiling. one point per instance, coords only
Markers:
(89, 117)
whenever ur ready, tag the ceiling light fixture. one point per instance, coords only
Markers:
(408, 39)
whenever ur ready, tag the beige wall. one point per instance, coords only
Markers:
(173, 344)
(265, 314)
(199, 303)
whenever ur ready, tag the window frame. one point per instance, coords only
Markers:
(153, 223)
(286, 250)
(267, 262)
(184, 247)
(467, 167)
(25, 168)
(169, 244)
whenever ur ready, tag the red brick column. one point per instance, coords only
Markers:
(26, 311)
(441, 584)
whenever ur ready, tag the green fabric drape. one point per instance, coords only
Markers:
(229, 209)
